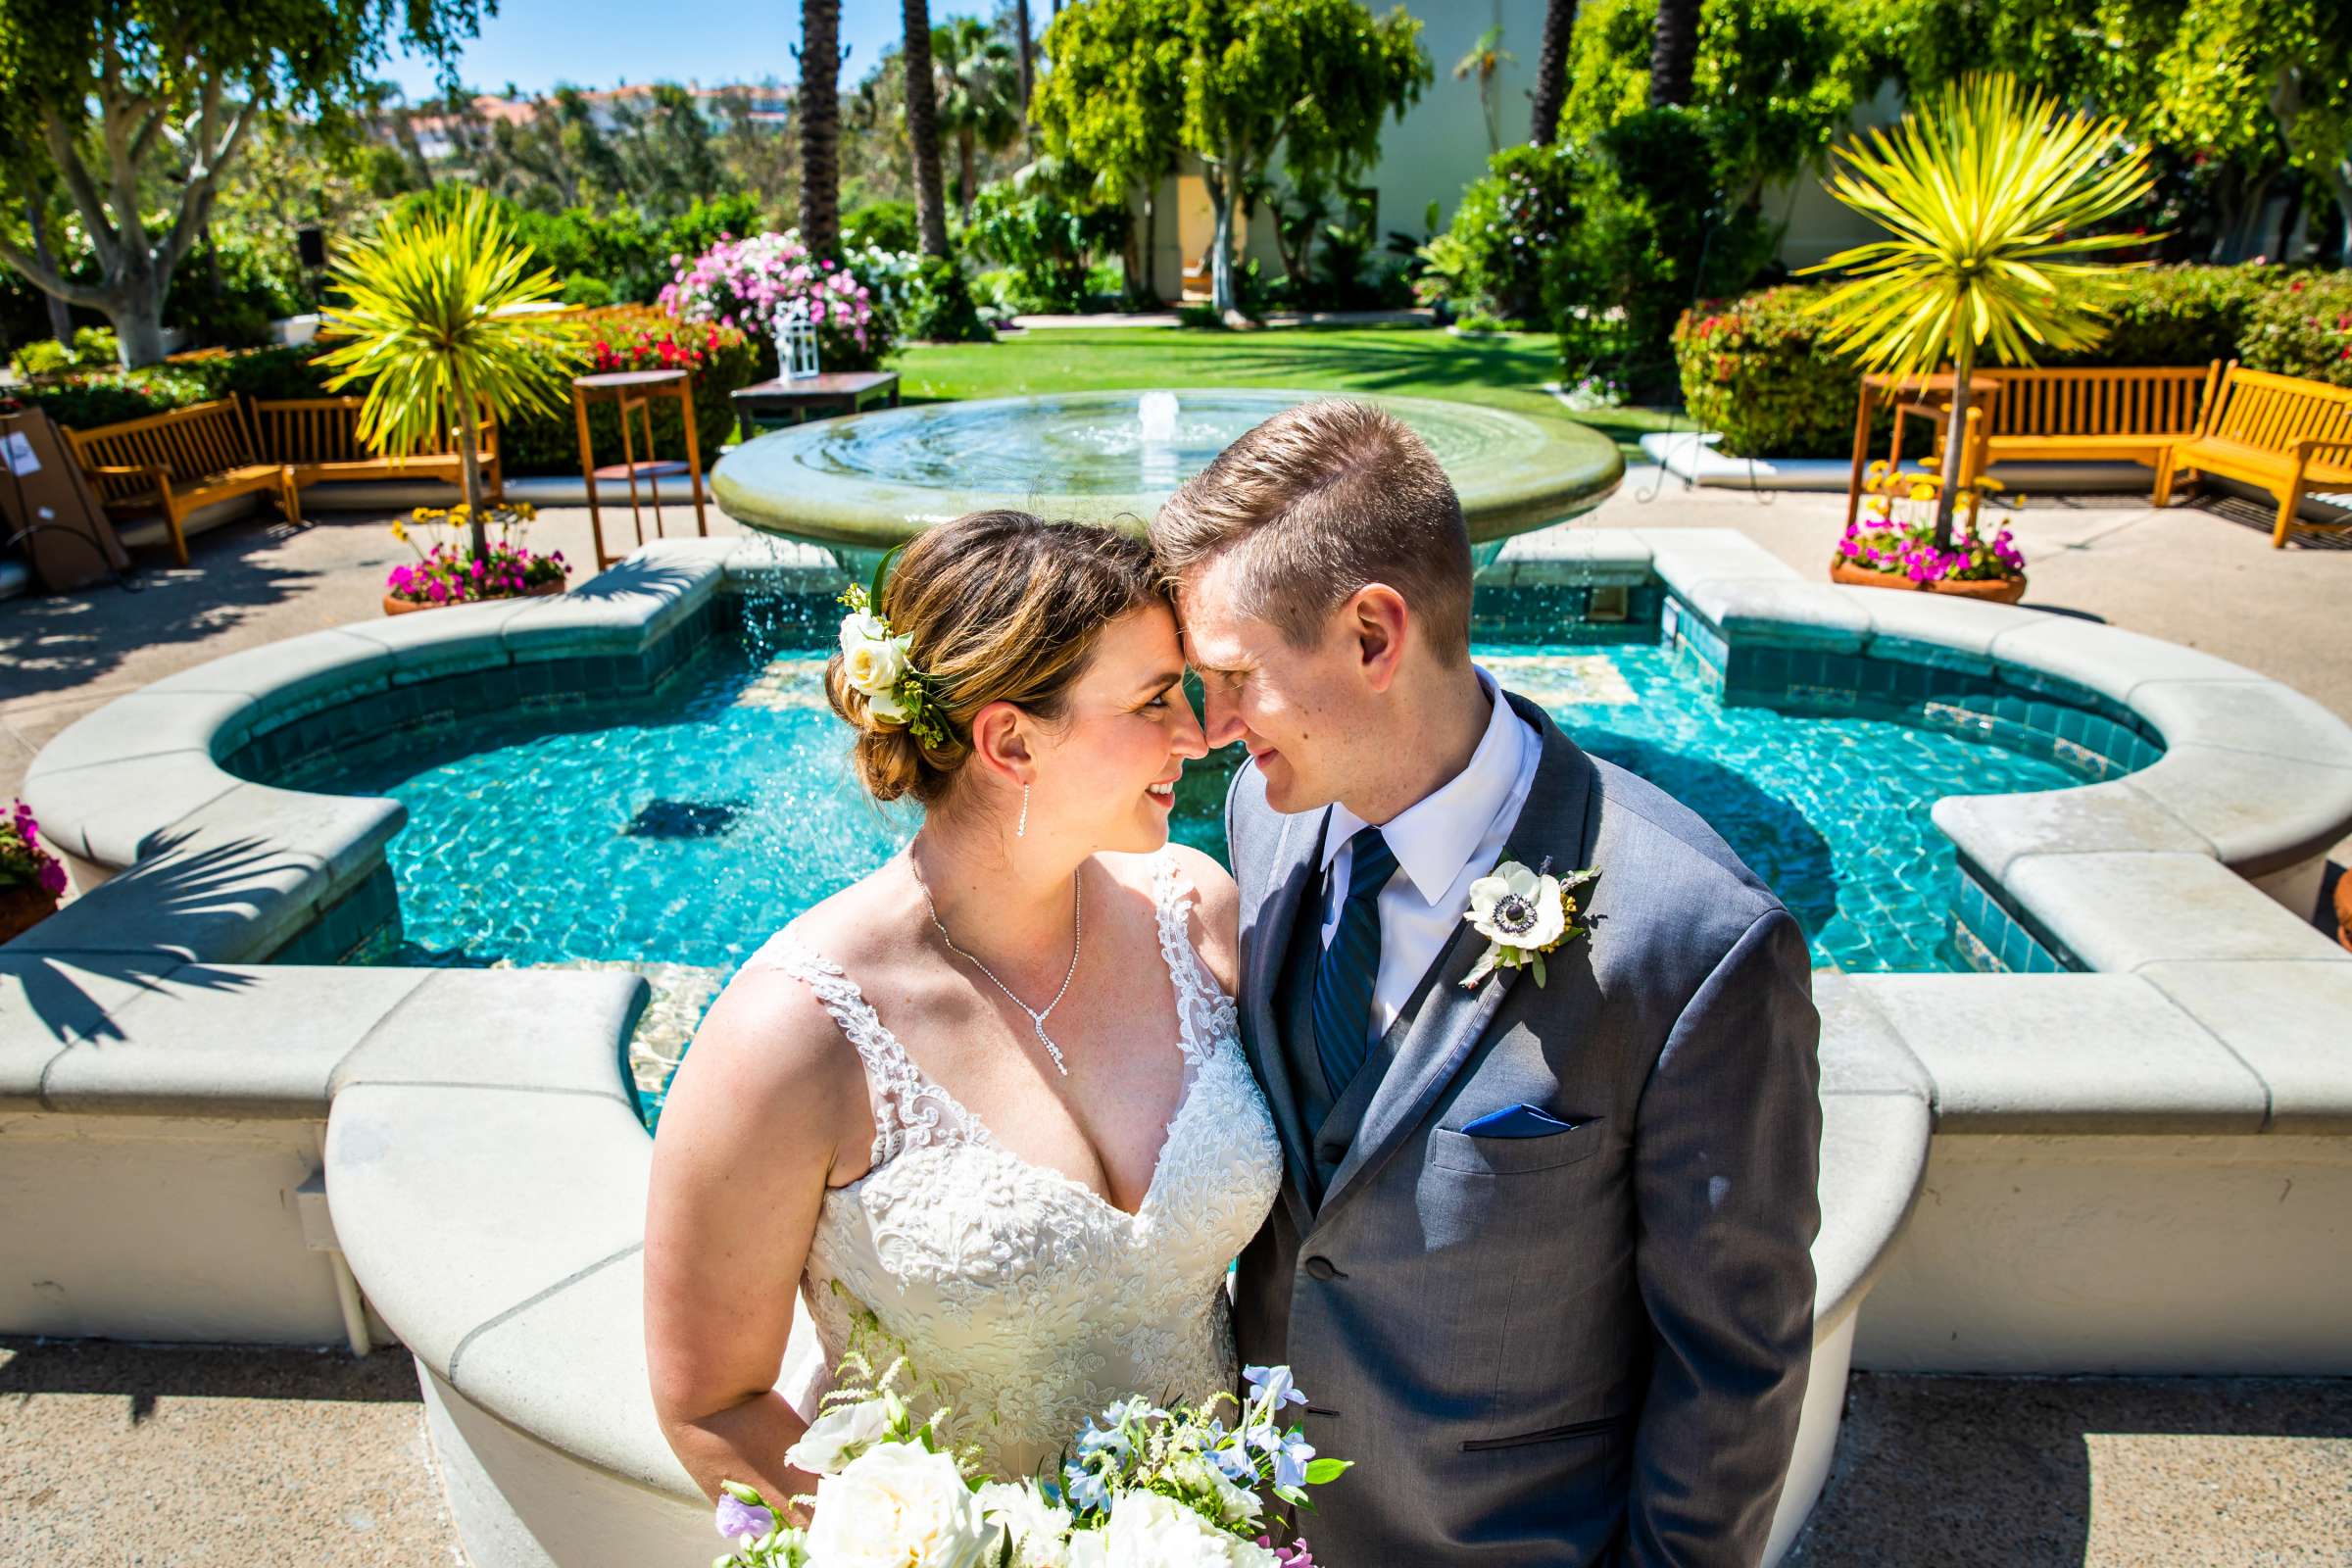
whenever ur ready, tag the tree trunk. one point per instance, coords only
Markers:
(469, 462)
(1955, 440)
(1143, 283)
(820, 125)
(1552, 70)
(1673, 53)
(2339, 184)
(922, 129)
(965, 141)
(1221, 297)
(1020, 13)
(61, 320)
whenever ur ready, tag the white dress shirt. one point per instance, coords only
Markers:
(1443, 842)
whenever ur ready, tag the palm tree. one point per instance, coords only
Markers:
(1020, 15)
(972, 83)
(819, 110)
(1986, 191)
(437, 325)
(922, 129)
(1552, 70)
(1673, 53)
(1486, 61)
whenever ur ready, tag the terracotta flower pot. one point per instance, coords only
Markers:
(1998, 590)
(2343, 909)
(538, 590)
(24, 905)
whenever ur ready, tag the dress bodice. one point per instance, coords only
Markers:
(1032, 1300)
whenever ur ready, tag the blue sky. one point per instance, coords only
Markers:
(601, 43)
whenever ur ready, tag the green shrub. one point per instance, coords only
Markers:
(1647, 239)
(89, 401)
(936, 304)
(48, 357)
(1490, 262)
(2178, 315)
(1756, 370)
(2302, 327)
(95, 348)
(889, 225)
(579, 289)
(269, 375)
(1045, 241)
(226, 292)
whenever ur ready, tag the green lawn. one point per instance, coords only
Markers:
(1505, 372)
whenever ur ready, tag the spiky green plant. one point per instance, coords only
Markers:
(1987, 192)
(433, 319)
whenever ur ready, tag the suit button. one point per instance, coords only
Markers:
(1322, 1268)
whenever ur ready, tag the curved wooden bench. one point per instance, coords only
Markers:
(177, 461)
(2285, 434)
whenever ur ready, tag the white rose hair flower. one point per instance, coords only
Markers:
(879, 664)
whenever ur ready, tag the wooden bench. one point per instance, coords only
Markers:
(2285, 434)
(2128, 413)
(318, 437)
(177, 461)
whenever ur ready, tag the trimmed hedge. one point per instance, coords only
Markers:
(1756, 368)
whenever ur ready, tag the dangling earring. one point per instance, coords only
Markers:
(1021, 830)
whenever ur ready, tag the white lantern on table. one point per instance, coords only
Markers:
(795, 342)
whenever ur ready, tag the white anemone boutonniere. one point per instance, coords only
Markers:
(1523, 914)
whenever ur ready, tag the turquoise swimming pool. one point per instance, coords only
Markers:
(685, 829)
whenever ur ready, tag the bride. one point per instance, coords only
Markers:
(992, 1092)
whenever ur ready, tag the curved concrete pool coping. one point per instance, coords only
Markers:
(486, 1167)
(1557, 470)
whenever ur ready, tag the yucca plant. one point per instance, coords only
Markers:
(435, 316)
(1987, 192)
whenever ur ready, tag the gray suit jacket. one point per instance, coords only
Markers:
(1583, 1348)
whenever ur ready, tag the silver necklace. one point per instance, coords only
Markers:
(1037, 1018)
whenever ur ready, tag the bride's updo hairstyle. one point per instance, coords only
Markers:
(1000, 607)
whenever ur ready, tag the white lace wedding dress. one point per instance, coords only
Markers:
(1031, 1300)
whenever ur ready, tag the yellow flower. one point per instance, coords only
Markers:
(400, 531)
(1923, 492)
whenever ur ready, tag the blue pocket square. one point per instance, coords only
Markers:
(1517, 1121)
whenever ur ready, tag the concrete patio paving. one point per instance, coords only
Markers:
(111, 1453)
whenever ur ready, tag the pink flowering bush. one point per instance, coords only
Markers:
(759, 282)
(448, 572)
(24, 862)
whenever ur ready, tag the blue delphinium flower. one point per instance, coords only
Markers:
(1089, 1491)
(1272, 1384)
(1289, 1451)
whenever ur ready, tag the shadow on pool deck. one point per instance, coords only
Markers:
(1957, 1472)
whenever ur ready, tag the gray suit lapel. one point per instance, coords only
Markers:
(1553, 821)
(1297, 855)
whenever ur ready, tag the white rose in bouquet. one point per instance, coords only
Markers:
(1150, 1531)
(898, 1505)
(1207, 1486)
(835, 1438)
(1035, 1528)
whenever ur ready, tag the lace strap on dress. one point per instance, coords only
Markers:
(899, 1091)
(1198, 998)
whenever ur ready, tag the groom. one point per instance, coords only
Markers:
(1542, 1259)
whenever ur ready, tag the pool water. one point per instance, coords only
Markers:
(685, 829)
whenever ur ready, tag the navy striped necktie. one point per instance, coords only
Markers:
(1351, 964)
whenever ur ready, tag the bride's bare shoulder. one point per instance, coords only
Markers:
(1215, 906)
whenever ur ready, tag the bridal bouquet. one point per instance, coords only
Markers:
(1146, 1486)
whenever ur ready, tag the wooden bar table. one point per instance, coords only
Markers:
(1928, 395)
(787, 399)
(634, 391)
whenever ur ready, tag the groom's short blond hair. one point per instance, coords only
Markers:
(1318, 502)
